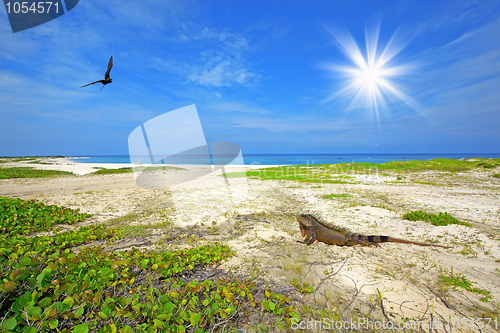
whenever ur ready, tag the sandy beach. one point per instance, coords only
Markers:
(257, 218)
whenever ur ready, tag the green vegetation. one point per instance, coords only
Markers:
(442, 219)
(331, 196)
(461, 281)
(38, 162)
(496, 175)
(304, 288)
(323, 173)
(487, 165)
(103, 171)
(236, 174)
(29, 172)
(112, 171)
(22, 217)
(142, 229)
(298, 173)
(26, 158)
(326, 181)
(47, 285)
(438, 164)
(429, 183)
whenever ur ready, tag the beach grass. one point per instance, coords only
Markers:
(112, 171)
(236, 174)
(104, 171)
(30, 157)
(339, 196)
(460, 280)
(39, 162)
(294, 173)
(323, 173)
(441, 219)
(30, 172)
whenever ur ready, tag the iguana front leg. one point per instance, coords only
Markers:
(310, 236)
(305, 240)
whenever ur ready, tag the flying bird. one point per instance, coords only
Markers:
(107, 79)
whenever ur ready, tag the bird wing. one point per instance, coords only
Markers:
(110, 64)
(91, 83)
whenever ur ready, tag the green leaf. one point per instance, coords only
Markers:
(111, 328)
(53, 323)
(126, 329)
(294, 315)
(169, 306)
(44, 302)
(158, 323)
(8, 286)
(25, 261)
(78, 313)
(40, 278)
(69, 301)
(195, 318)
(107, 310)
(103, 315)
(35, 312)
(82, 328)
(9, 324)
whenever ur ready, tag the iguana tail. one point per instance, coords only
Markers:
(386, 239)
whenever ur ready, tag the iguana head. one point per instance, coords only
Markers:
(306, 219)
(304, 223)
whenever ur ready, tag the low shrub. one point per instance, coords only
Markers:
(442, 219)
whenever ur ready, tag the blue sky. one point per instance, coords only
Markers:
(259, 73)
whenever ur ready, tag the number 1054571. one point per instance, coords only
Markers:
(36, 7)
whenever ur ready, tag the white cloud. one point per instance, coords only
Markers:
(299, 124)
(220, 71)
(461, 64)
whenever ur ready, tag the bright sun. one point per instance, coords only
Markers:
(369, 77)
(367, 83)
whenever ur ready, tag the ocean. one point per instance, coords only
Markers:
(309, 159)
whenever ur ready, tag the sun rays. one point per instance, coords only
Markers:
(367, 80)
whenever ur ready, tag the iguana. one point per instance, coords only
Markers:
(315, 228)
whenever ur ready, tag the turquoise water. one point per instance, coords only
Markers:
(295, 159)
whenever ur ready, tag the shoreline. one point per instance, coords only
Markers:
(66, 164)
(316, 159)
